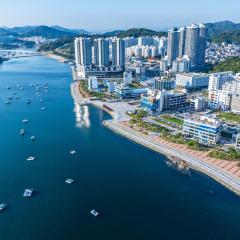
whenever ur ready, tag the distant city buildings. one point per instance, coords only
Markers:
(216, 53)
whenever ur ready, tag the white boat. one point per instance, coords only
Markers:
(31, 158)
(43, 108)
(28, 193)
(69, 181)
(94, 213)
(73, 152)
(33, 138)
(3, 206)
(28, 101)
(25, 120)
(22, 132)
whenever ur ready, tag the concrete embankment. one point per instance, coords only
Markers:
(218, 174)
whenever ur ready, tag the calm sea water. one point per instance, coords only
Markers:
(139, 196)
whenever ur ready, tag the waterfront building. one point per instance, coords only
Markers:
(92, 84)
(203, 129)
(83, 51)
(111, 72)
(124, 91)
(164, 83)
(192, 80)
(101, 52)
(118, 52)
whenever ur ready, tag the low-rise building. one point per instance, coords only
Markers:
(124, 91)
(219, 99)
(150, 103)
(237, 146)
(174, 100)
(92, 84)
(192, 80)
(235, 104)
(217, 80)
(197, 104)
(111, 87)
(164, 83)
(127, 77)
(203, 129)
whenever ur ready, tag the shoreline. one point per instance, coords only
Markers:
(117, 126)
(56, 57)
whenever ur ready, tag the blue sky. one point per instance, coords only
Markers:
(101, 15)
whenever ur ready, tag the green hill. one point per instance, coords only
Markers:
(231, 64)
(139, 32)
(48, 32)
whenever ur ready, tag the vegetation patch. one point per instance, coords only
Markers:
(229, 116)
(231, 154)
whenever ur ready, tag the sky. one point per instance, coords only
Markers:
(103, 15)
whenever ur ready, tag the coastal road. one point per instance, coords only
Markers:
(218, 174)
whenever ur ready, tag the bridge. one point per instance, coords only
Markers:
(18, 53)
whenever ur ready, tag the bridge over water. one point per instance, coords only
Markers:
(18, 53)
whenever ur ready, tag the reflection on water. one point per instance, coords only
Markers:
(82, 116)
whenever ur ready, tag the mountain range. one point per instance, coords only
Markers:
(44, 31)
(219, 31)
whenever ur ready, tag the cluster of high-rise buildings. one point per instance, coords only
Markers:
(187, 41)
(101, 57)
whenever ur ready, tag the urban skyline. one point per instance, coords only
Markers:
(78, 14)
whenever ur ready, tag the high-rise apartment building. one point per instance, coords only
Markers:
(83, 51)
(173, 45)
(195, 45)
(190, 41)
(118, 52)
(101, 52)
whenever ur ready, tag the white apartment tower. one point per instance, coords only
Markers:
(83, 51)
